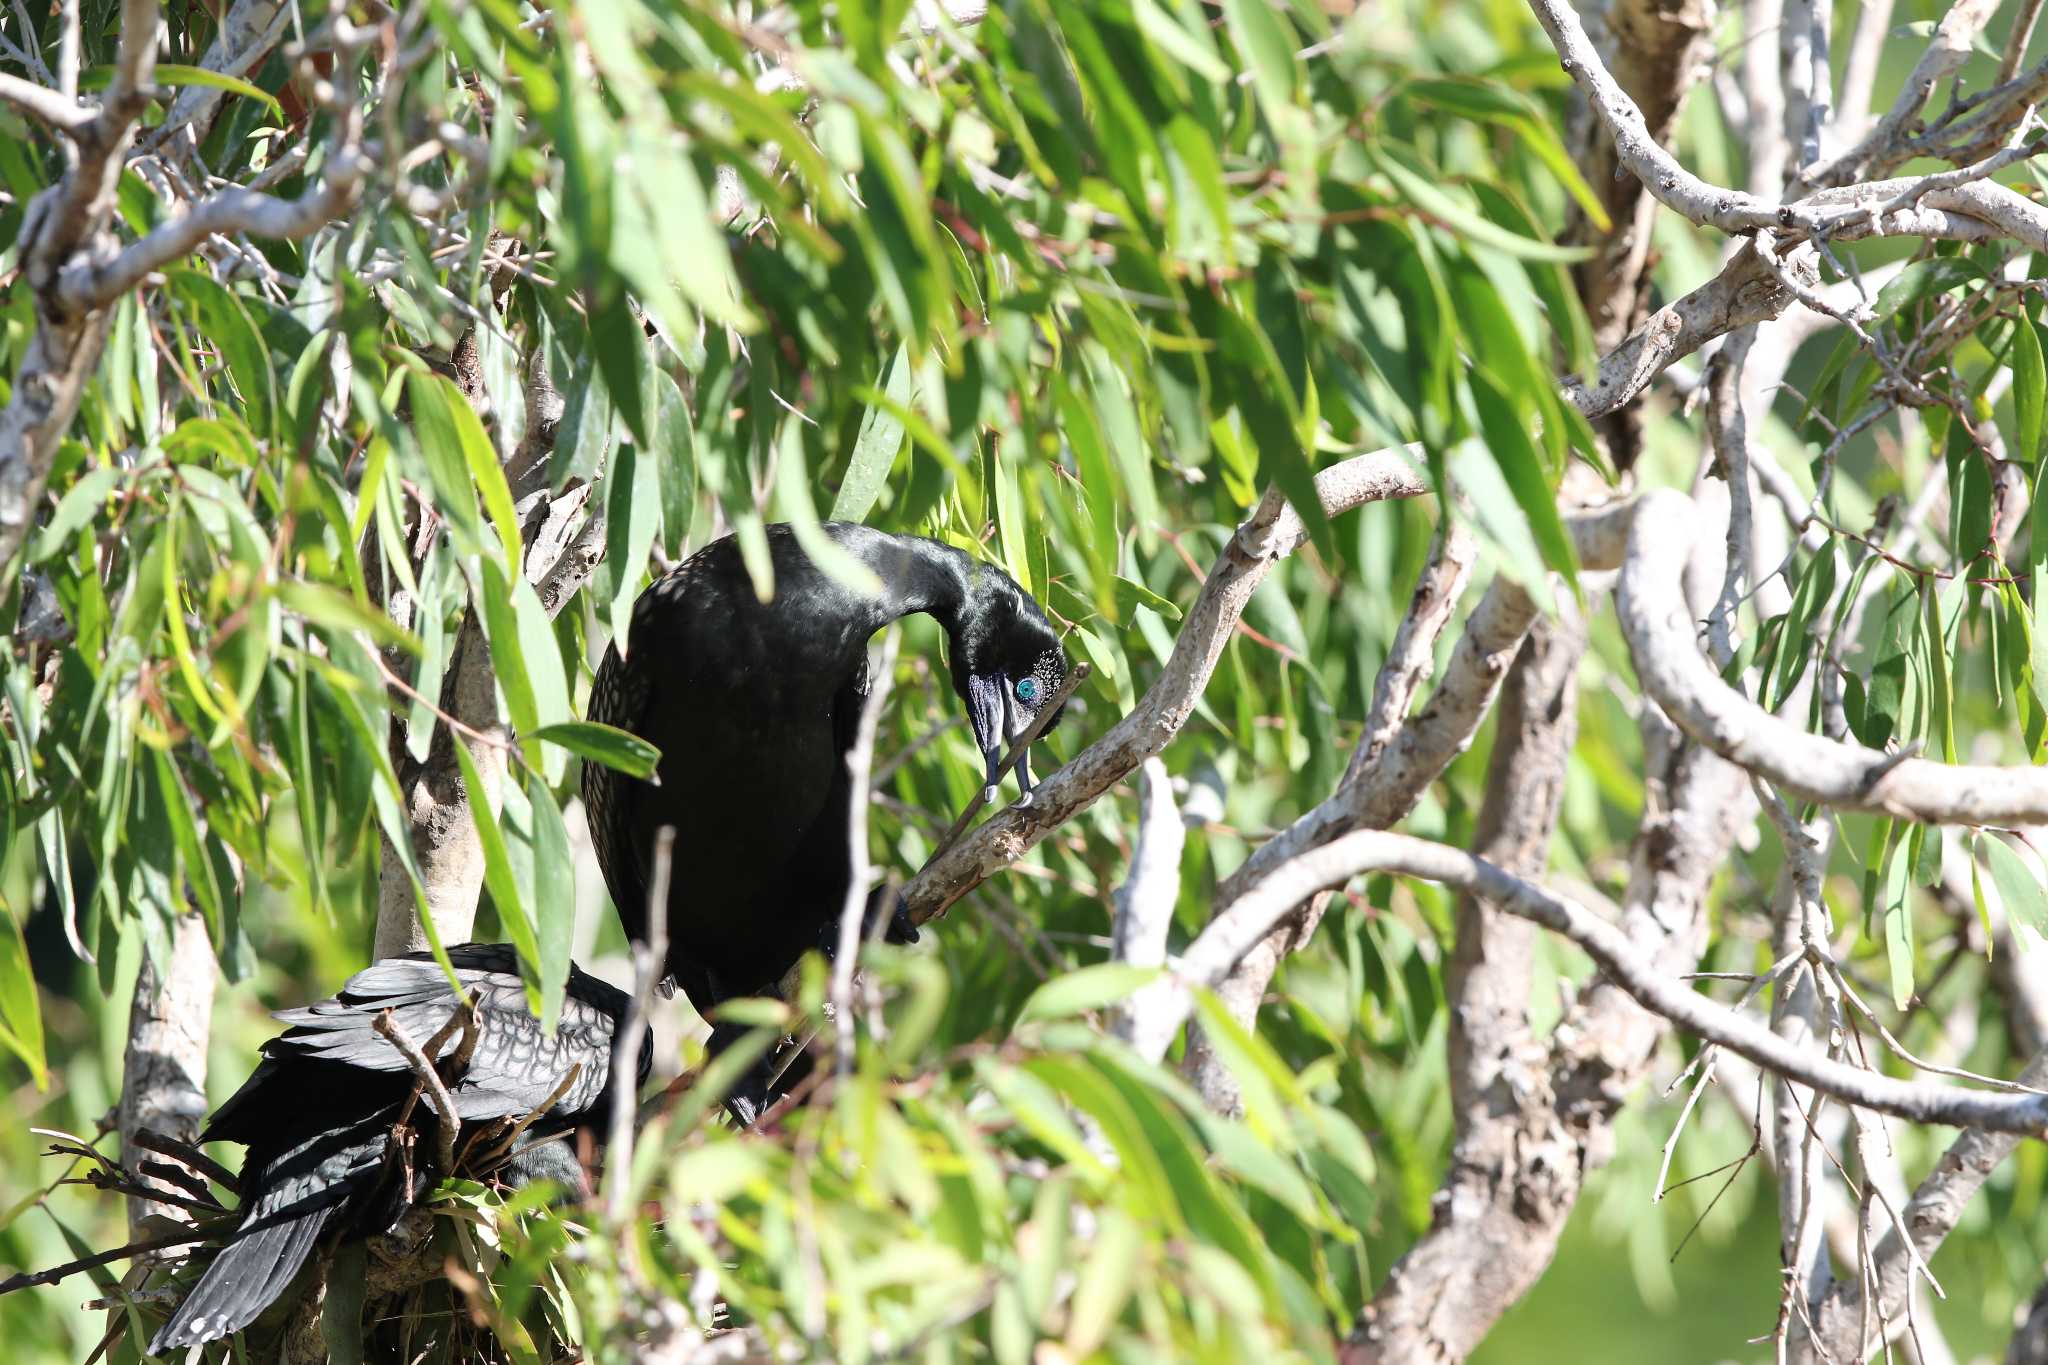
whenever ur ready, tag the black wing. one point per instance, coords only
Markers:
(514, 1067)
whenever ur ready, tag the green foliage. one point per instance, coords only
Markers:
(1069, 294)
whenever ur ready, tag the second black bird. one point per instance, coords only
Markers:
(319, 1112)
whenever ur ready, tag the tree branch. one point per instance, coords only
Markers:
(1478, 1257)
(1841, 214)
(1271, 533)
(859, 763)
(44, 105)
(1144, 906)
(163, 1074)
(1247, 920)
(1661, 640)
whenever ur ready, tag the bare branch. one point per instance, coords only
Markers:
(1144, 907)
(44, 105)
(1510, 1173)
(1746, 291)
(1659, 627)
(1954, 37)
(228, 211)
(448, 1118)
(1145, 903)
(1411, 658)
(649, 963)
(1383, 789)
(1841, 213)
(1268, 535)
(1243, 923)
(859, 763)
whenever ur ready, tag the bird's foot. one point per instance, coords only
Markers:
(900, 929)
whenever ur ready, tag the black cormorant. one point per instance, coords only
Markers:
(319, 1114)
(754, 706)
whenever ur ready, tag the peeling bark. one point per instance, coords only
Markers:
(1513, 1168)
(163, 1074)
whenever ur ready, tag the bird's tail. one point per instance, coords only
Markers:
(247, 1277)
(293, 1202)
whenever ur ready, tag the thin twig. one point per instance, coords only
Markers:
(649, 965)
(436, 1091)
(859, 763)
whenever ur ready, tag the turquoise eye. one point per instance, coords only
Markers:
(1028, 691)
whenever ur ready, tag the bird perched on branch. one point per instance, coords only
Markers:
(754, 706)
(328, 1111)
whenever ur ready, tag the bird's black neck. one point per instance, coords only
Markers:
(917, 574)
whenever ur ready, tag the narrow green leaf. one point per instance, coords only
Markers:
(1935, 646)
(485, 470)
(1898, 921)
(174, 74)
(1263, 38)
(604, 744)
(1796, 645)
(621, 345)
(2029, 389)
(508, 657)
(1977, 893)
(434, 403)
(1130, 594)
(1085, 989)
(1521, 465)
(876, 447)
(79, 506)
(793, 504)
(632, 523)
(676, 442)
(324, 606)
(229, 328)
(1107, 1278)
(1419, 186)
(2019, 885)
(515, 916)
(21, 1015)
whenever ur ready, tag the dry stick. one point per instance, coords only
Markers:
(1846, 776)
(648, 960)
(28, 1280)
(859, 763)
(430, 1082)
(502, 1147)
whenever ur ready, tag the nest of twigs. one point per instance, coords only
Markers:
(420, 1293)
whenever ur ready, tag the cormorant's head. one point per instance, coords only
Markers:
(1007, 663)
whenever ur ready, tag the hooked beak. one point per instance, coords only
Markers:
(986, 710)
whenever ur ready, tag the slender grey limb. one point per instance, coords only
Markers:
(449, 1122)
(44, 105)
(649, 964)
(1661, 638)
(1145, 903)
(1272, 532)
(881, 677)
(1247, 920)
